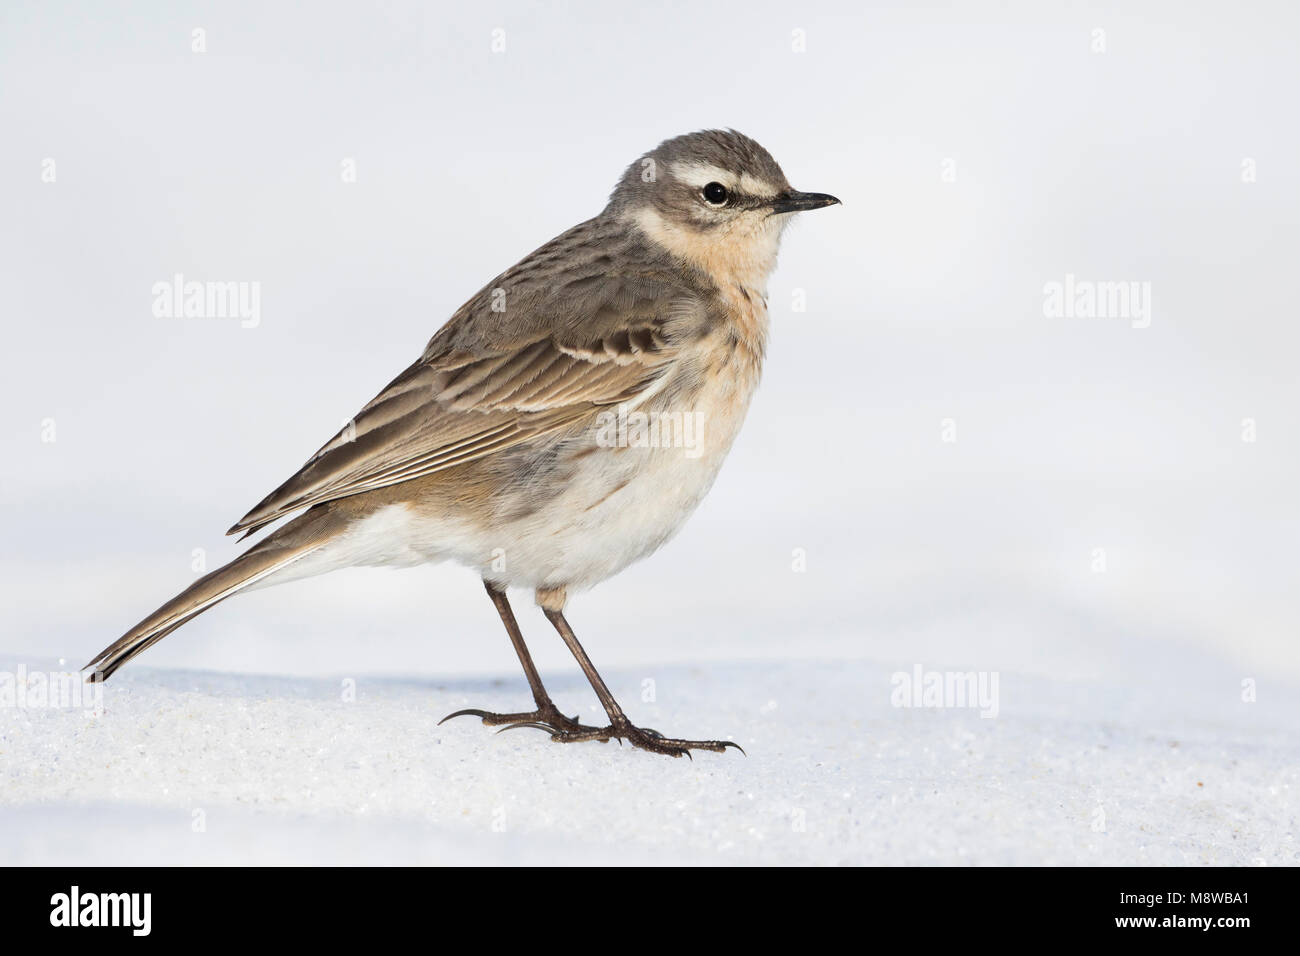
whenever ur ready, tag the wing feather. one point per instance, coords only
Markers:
(483, 386)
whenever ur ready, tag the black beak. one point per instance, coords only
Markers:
(794, 201)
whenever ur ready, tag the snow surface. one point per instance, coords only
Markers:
(186, 767)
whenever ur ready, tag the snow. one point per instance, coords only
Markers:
(186, 767)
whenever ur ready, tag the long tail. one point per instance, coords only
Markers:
(294, 541)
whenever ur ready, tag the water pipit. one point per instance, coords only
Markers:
(564, 422)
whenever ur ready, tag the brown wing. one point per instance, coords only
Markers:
(490, 380)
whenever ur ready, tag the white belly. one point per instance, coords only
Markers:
(614, 505)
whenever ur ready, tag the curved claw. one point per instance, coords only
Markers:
(530, 723)
(732, 743)
(468, 712)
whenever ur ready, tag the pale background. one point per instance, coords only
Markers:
(924, 303)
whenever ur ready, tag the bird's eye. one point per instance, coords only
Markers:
(715, 193)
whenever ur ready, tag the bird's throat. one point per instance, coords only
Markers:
(730, 258)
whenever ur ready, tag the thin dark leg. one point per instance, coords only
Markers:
(597, 684)
(619, 726)
(517, 639)
(547, 716)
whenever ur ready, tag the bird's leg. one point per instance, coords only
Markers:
(620, 728)
(547, 716)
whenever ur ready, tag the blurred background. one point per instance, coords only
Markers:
(965, 480)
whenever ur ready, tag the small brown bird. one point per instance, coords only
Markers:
(564, 423)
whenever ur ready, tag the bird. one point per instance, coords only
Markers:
(561, 425)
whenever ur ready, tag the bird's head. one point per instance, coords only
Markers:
(716, 199)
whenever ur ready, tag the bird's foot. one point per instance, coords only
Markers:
(546, 718)
(644, 738)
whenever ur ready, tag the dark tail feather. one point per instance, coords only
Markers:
(292, 542)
